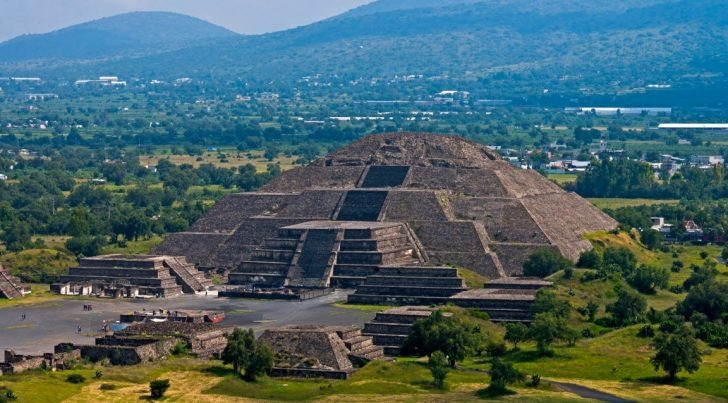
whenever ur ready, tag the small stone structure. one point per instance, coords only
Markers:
(186, 316)
(204, 340)
(10, 286)
(132, 276)
(319, 351)
(59, 359)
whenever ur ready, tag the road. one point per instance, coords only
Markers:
(51, 323)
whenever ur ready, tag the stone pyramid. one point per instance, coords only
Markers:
(387, 200)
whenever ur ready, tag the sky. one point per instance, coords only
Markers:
(19, 17)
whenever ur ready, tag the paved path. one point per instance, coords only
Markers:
(51, 323)
(589, 393)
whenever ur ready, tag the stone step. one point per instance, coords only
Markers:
(358, 343)
(252, 266)
(373, 233)
(348, 333)
(355, 270)
(409, 290)
(375, 257)
(276, 255)
(392, 351)
(380, 244)
(346, 282)
(281, 243)
(290, 233)
(375, 299)
(388, 339)
(507, 313)
(417, 271)
(258, 279)
(149, 282)
(403, 319)
(371, 352)
(387, 328)
(454, 282)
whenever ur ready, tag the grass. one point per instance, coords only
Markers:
(364, 308)
(615, 203)
(472, 279)
(234, 159)
(621, 356)
(562, 179)
(31, 264)
(140, 247)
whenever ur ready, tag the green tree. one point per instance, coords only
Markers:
(701, 274)
(502, 374)
(629, 307)
(647, 279)
(709, 298)
(439, 368)
(438, 332)
(651, 239)
(548, 302)
(676, 351)
(248, 358)
(544, 262)
(621, 257)
(516, 333)
(545, 330)
(16, 236)
(592, 308)
(158, 388)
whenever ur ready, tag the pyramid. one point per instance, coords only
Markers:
(9, 285)
(387, 201)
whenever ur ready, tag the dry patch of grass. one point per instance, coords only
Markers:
(233, 159)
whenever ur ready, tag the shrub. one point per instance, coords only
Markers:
(439, 368)
(7, 395)
(703, 255)
(107, 386)
(587, 333)
(438, 332)
(547, 302)
(496, 349)
(545, 329)
(75, 378)
(701, 274)
(629, 307)
(248, 357)
(502, 374)
(647, 279)
(544, 262)
(590, 259)
(180, 349)
(646, 331)
(98, 374)
(516, 333)
(158, 388)
(535, 381)
(620, 257)
(568, 273)
(677, 266)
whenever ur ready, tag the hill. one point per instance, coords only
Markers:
(507, 48)
(131, 34)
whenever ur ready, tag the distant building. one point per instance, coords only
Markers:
(102, 81)
(3, 177)
(611, 111)
(693, 126)
(706, 161)
(693, 232)
(659, 225)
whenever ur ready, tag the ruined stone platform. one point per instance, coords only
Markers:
(131, 276)
(10, 286)
(319, 351)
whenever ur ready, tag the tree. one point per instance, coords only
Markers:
(544, 262)
(516, 333)
(439, 368)
(651, 239)
(438, 332)
(647, 279)
(629, 307)
(16, 236)
(676, 351)
(158, 388)
(590, 259)
(547, 302)
(502, 374)
(85, 245)
(545, 330)
(709, 298)
(701, 274)
(248, 358)
(621, 257)
(592, 308)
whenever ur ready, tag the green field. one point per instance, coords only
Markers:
(616, 203)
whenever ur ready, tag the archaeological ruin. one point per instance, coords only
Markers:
(393, 216)
(132, 276)
(10, 286)
(319, 351)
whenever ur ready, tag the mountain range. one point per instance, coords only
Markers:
(523, 45)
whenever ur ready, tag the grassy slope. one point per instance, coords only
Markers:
(614, 203)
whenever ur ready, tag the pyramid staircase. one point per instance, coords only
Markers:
(9, 285)
(188, 277)
(409, 286)
(361, 347)
(390, 328)
(324, 254)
